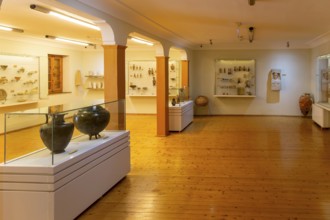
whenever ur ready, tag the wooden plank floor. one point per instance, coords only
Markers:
(223, 167)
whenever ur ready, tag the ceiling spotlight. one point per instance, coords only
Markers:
(251, 2)
(251, 34)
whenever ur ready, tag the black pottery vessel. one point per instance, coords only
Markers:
(91, 120)
(60, 135)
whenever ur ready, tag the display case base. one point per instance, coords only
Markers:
(321, 114)
(181, 115)
(32, 191)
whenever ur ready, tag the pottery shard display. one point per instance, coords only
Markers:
(91, 120)
(305, 103)
(57, 133)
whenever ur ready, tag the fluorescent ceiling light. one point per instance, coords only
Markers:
(4, 28)
(64, 17)
(70, 41)
(141, 41)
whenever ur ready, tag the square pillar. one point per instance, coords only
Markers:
(185, 77)
(114, 84)
(162, 96)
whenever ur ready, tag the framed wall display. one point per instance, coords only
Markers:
(19, 79)
(276, 79)
(235, 78)
(325, 85)
(174, 78)
(142, 78)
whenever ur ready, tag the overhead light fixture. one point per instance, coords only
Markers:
(251, 2)
(63, 16)
(251, 34)
(5, 28)
(141, 41)
(70, 41)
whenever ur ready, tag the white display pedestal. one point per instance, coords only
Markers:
(321, 114)
(180, 116)
(33, 189)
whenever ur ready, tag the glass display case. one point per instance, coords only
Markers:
(142, 78)
(235, 78)
(51, 135)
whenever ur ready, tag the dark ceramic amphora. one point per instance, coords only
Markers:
(91, 120)
(57, 133)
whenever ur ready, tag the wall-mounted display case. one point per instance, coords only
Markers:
(142, 78)
(321, 107)
(174, 82)
(235, 78)
(19, 79)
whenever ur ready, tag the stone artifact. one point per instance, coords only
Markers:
(91, 120)
(57, 133)
(201, 101)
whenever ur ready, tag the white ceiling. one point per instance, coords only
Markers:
(302, 23)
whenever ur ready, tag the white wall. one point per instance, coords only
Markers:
(295, 65)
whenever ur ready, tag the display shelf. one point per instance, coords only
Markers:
(18, 103)
(95, 76)
(142, 96)
(234, 96)
(94, 82)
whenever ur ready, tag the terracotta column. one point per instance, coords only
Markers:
(114, 84)
(162, 96)
(185, 77)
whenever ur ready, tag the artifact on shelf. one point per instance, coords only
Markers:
(21, 70)
(305, 103)
(31, 73)
(153, 81)
(173, 102)
(91, 120)
(3, 80)
(57, 133)
(3, 67)
(3, 96)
